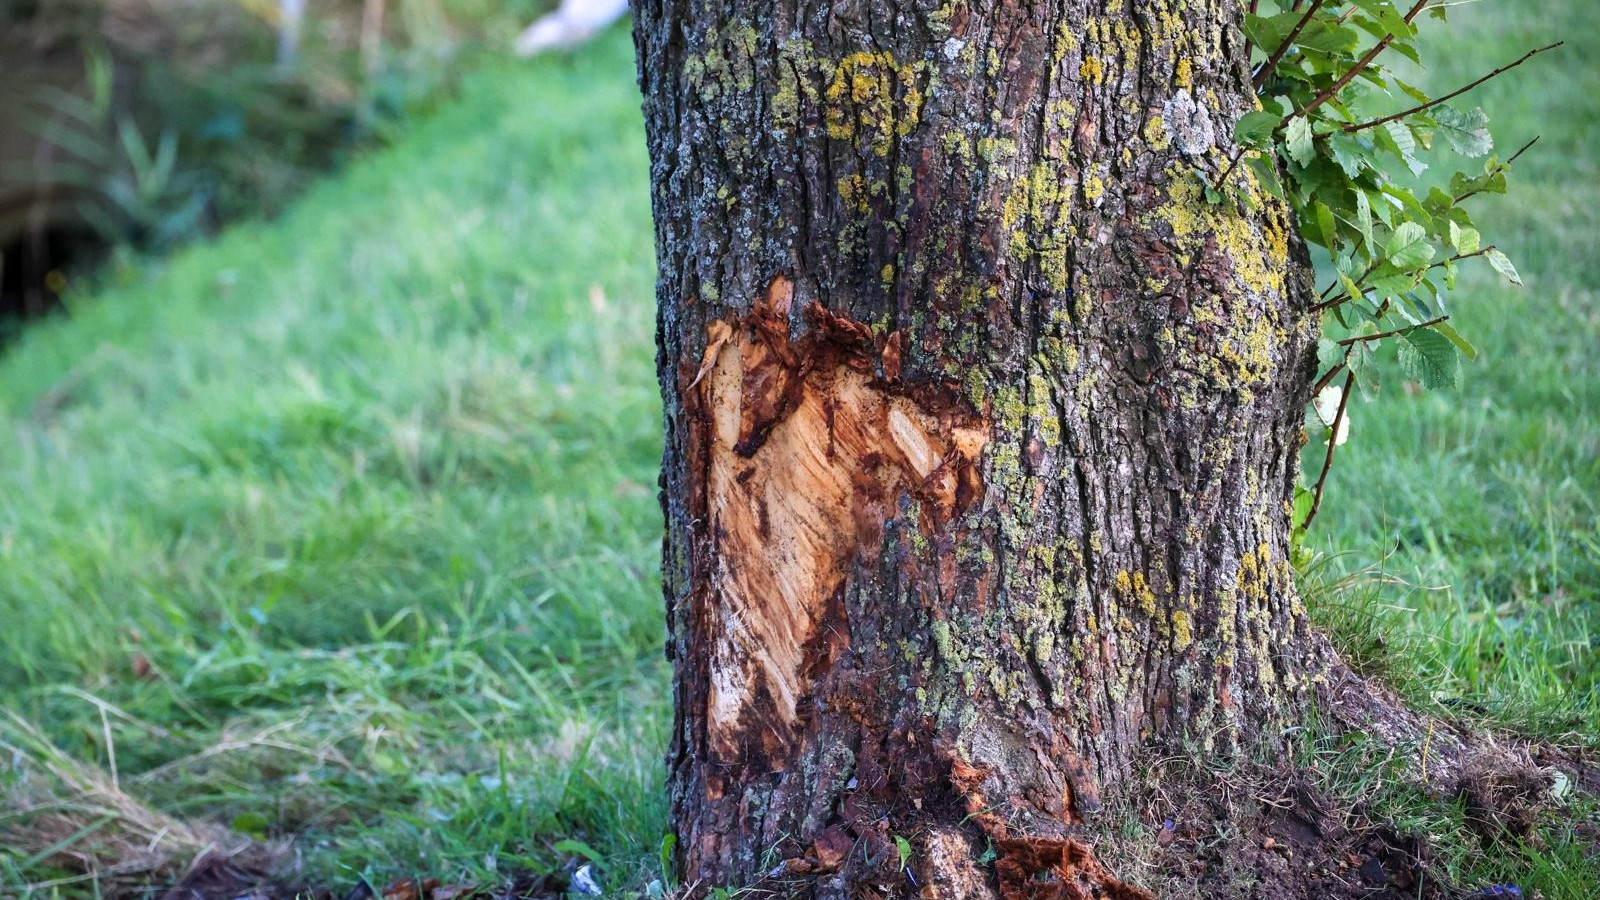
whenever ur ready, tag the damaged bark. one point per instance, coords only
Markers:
(806, 450)
(981, 431)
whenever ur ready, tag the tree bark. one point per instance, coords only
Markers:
(981, 430)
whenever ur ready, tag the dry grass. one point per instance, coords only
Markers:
(76, 818)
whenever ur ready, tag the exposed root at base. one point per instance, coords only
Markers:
(1045, 869)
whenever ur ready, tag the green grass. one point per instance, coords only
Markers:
(383, 471)
(369, 491)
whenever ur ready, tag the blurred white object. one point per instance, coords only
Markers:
(290, 13)
(583, 882)
(575, 22)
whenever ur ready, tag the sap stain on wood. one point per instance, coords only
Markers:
(810, 445)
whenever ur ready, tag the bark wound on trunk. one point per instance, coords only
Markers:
(808, 445)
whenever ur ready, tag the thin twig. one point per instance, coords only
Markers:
(1327, 461)
(1383, 309)
(1361, 64)
(1513, 157)
(1329, 304)
(1222, 179)
(1501, 167)
(1277, 55)
(1353, 128)
(1392, 332)
(1327, 377)
(1460, 256)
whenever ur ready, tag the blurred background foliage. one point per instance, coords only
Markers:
(131, 126)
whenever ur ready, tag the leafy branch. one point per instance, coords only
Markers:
(1358, 68)
(1265, 71)
(1327, 141)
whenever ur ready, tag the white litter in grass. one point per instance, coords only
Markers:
(583, 883)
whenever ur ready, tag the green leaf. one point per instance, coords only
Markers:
(1467, 132)
(1408, 247)
(1320, 179)
(1369, 375)
(1255, 129)
(1502, 264)
(1364, 220)
(1390, 282)
(1465, 240)
(1438, 202)
(1407, 49)
(1268, 32)
(1324, 36)
(904, 846)
(669, 842)
(1405, 145)
(251, 824)
(1391, 20)
(577, 848)
(1493, 182)
(1297, 140)
(1454, 337)
(1351, 289)
(1351, 155)
(1329, 353)
(1429, 357)
(1374, 8)
(1303, 501)
(1266, 175)
(1326, 224)
(1414, 93)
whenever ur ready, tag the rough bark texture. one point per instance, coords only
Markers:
(981, 429)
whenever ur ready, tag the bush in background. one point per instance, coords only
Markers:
(130, 126)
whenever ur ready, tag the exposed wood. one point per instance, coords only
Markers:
(807, 451)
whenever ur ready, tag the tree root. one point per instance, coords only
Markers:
(1504, 781)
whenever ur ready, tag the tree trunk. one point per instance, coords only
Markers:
(981, 429)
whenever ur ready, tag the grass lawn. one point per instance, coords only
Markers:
(343, 528)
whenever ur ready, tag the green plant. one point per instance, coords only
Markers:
(184, 119)
(128, 188)
(1329, 140)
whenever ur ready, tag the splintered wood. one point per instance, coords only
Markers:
(811, 446)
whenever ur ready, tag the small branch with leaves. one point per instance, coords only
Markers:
(1348, 170)
(1265, 71)
(1392, 332)
(1351, 73)
(1407, 113)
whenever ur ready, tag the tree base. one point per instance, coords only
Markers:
(1259, 831)
(1300, 819)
